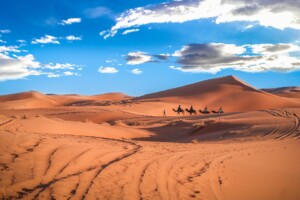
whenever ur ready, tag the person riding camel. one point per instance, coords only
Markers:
(179, 107)
(179, 110)
(205, 110)
(221, 110)
(191, 108)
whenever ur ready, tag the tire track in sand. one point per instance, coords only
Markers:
(104, 166)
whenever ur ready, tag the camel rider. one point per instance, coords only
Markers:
(205, 110)
(191, 108)
(221, 110)
(179, 107)
(164, 114)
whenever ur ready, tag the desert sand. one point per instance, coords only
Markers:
(114, 146)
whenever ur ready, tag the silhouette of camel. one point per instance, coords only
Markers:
(191, 111)
(219, 111)
(179, 110)
(205, 111)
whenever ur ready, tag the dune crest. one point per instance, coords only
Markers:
(290, 92)
(229, 92)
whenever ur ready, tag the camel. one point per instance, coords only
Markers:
(205, 111)
(219, 111)
(191, 111)
(179, 110)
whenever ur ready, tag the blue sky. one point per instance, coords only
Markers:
(138, 47)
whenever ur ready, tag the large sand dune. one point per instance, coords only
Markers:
(113, 146)
(229, 92)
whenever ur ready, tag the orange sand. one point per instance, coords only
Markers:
(113, 146)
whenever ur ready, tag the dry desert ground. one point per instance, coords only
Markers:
(114, 146)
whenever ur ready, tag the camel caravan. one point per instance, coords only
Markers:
(192, 111)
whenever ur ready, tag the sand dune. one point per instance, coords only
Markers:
(112, 146)
(251, 155)
(25, 100)
(32, 99)
(229, 92)
(291, 92)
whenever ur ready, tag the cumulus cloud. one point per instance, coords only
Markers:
(7, 49)
(273, 13)
(130, 31)
(215, 57)
(139, 57)
(73, 38)
(14, 66)
(136, 71)
(162, 56)
(136, 58)
(107, 70)
(47, 39)
(70, 21)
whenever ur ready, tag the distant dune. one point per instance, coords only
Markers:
(33, 99)
(291, 92)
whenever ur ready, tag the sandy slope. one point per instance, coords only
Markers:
(33, 99)
(252, 155)
(291, 92)
(229, 92)
(112, 146)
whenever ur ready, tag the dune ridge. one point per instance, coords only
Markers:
(229, 92)
(290, 92)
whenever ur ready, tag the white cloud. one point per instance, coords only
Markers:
(70, 21)
(274, 13)
(14, 66)
(61, 66)
(5, 31)
(113, 61)
(136, 71)
(271, 49)
(52, 75)
(214, 57)
(2, 41)
(136, 58)
(47, 39)
(73, 38)
(130, 31)
(69, 73)
(7, 49)
(22, 41)
(97, 12)
(107, 70)
(248, 27)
